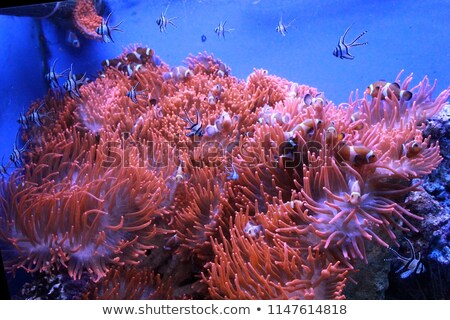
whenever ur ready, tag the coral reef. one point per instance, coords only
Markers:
(433, 205)
(86, 19)
(438, 185)
(187, 182)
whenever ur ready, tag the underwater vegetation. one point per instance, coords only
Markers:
(153, 181)
(187, 182)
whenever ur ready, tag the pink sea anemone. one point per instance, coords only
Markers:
(275, 194)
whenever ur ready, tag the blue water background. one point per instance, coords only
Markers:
(410, 35)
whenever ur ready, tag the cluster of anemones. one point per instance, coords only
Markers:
(187, 182)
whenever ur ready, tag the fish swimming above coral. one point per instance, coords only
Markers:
(104, 29)
(282, 28)
(342, 49)
(33, 119)
(16, 156)
(72, 83)
(220, 30)
(163, 22)
(52, 76)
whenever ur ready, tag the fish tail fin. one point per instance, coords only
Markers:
(406, 95)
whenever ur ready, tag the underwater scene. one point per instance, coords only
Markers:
(254, 149)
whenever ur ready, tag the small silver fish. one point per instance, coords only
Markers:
(220, 29)
(35, 117)
(282, 28)
(163, 21)
(104, 29)
(52, 77)
(195, 127)
(132, 94)
(409, 265)
(16, 155)
(71, 84)
(72, 39)
(23, 120)
(342, 49)
(4, 168)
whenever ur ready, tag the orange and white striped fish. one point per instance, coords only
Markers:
(178, 73)
(332, 136)
(357, 155)
(411, 149)
(387, 89)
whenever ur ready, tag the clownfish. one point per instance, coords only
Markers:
(171, 243)
(72, 39)
(307, 127)
(357, 155)
(355, 189)
(179, 177)
(253, 230)
(113, 63)
(317, 100)
(331, 134)
(387, 89)
(355, 125)
(178, 73)
(223, 70)
(129, 69)
(212, 99)
(411, 149)
(140, 55)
